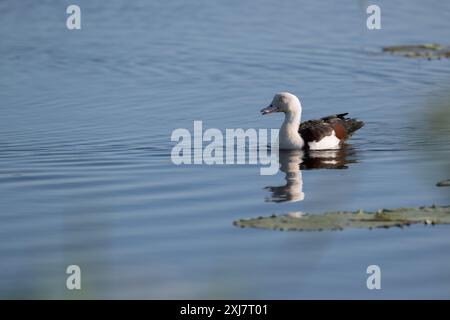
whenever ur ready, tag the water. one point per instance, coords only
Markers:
(85, 170)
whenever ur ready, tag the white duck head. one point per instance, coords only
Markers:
(284, 102)
(290, 105)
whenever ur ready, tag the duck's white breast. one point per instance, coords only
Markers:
(326, 143)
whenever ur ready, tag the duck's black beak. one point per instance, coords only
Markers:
(269, 109)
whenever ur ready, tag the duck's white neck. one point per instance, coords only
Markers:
(289, 136)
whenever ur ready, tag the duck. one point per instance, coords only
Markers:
(327, 133)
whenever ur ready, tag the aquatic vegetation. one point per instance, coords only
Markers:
(444, 183)
(340, 220)
(429, 51)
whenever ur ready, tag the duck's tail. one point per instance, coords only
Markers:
(352, 125)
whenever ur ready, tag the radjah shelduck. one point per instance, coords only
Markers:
(321, 134)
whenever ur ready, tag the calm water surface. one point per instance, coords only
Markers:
(85, 170)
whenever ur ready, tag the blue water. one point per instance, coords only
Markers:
(85, 171)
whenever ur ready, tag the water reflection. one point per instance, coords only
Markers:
(292, 162)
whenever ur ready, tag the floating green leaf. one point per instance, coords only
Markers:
(444, 183)
(297, 221)
(429, 51)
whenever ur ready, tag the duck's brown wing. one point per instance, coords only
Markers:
(316, 130)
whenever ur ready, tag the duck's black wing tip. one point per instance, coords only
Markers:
(334, 116)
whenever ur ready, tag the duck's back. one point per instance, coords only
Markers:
(328, 132)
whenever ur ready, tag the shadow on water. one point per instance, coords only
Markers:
(293, 162)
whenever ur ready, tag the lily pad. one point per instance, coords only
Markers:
(444, 183)
(384, 218)
(429, 51)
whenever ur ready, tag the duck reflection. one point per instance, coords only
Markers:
(292, 162)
